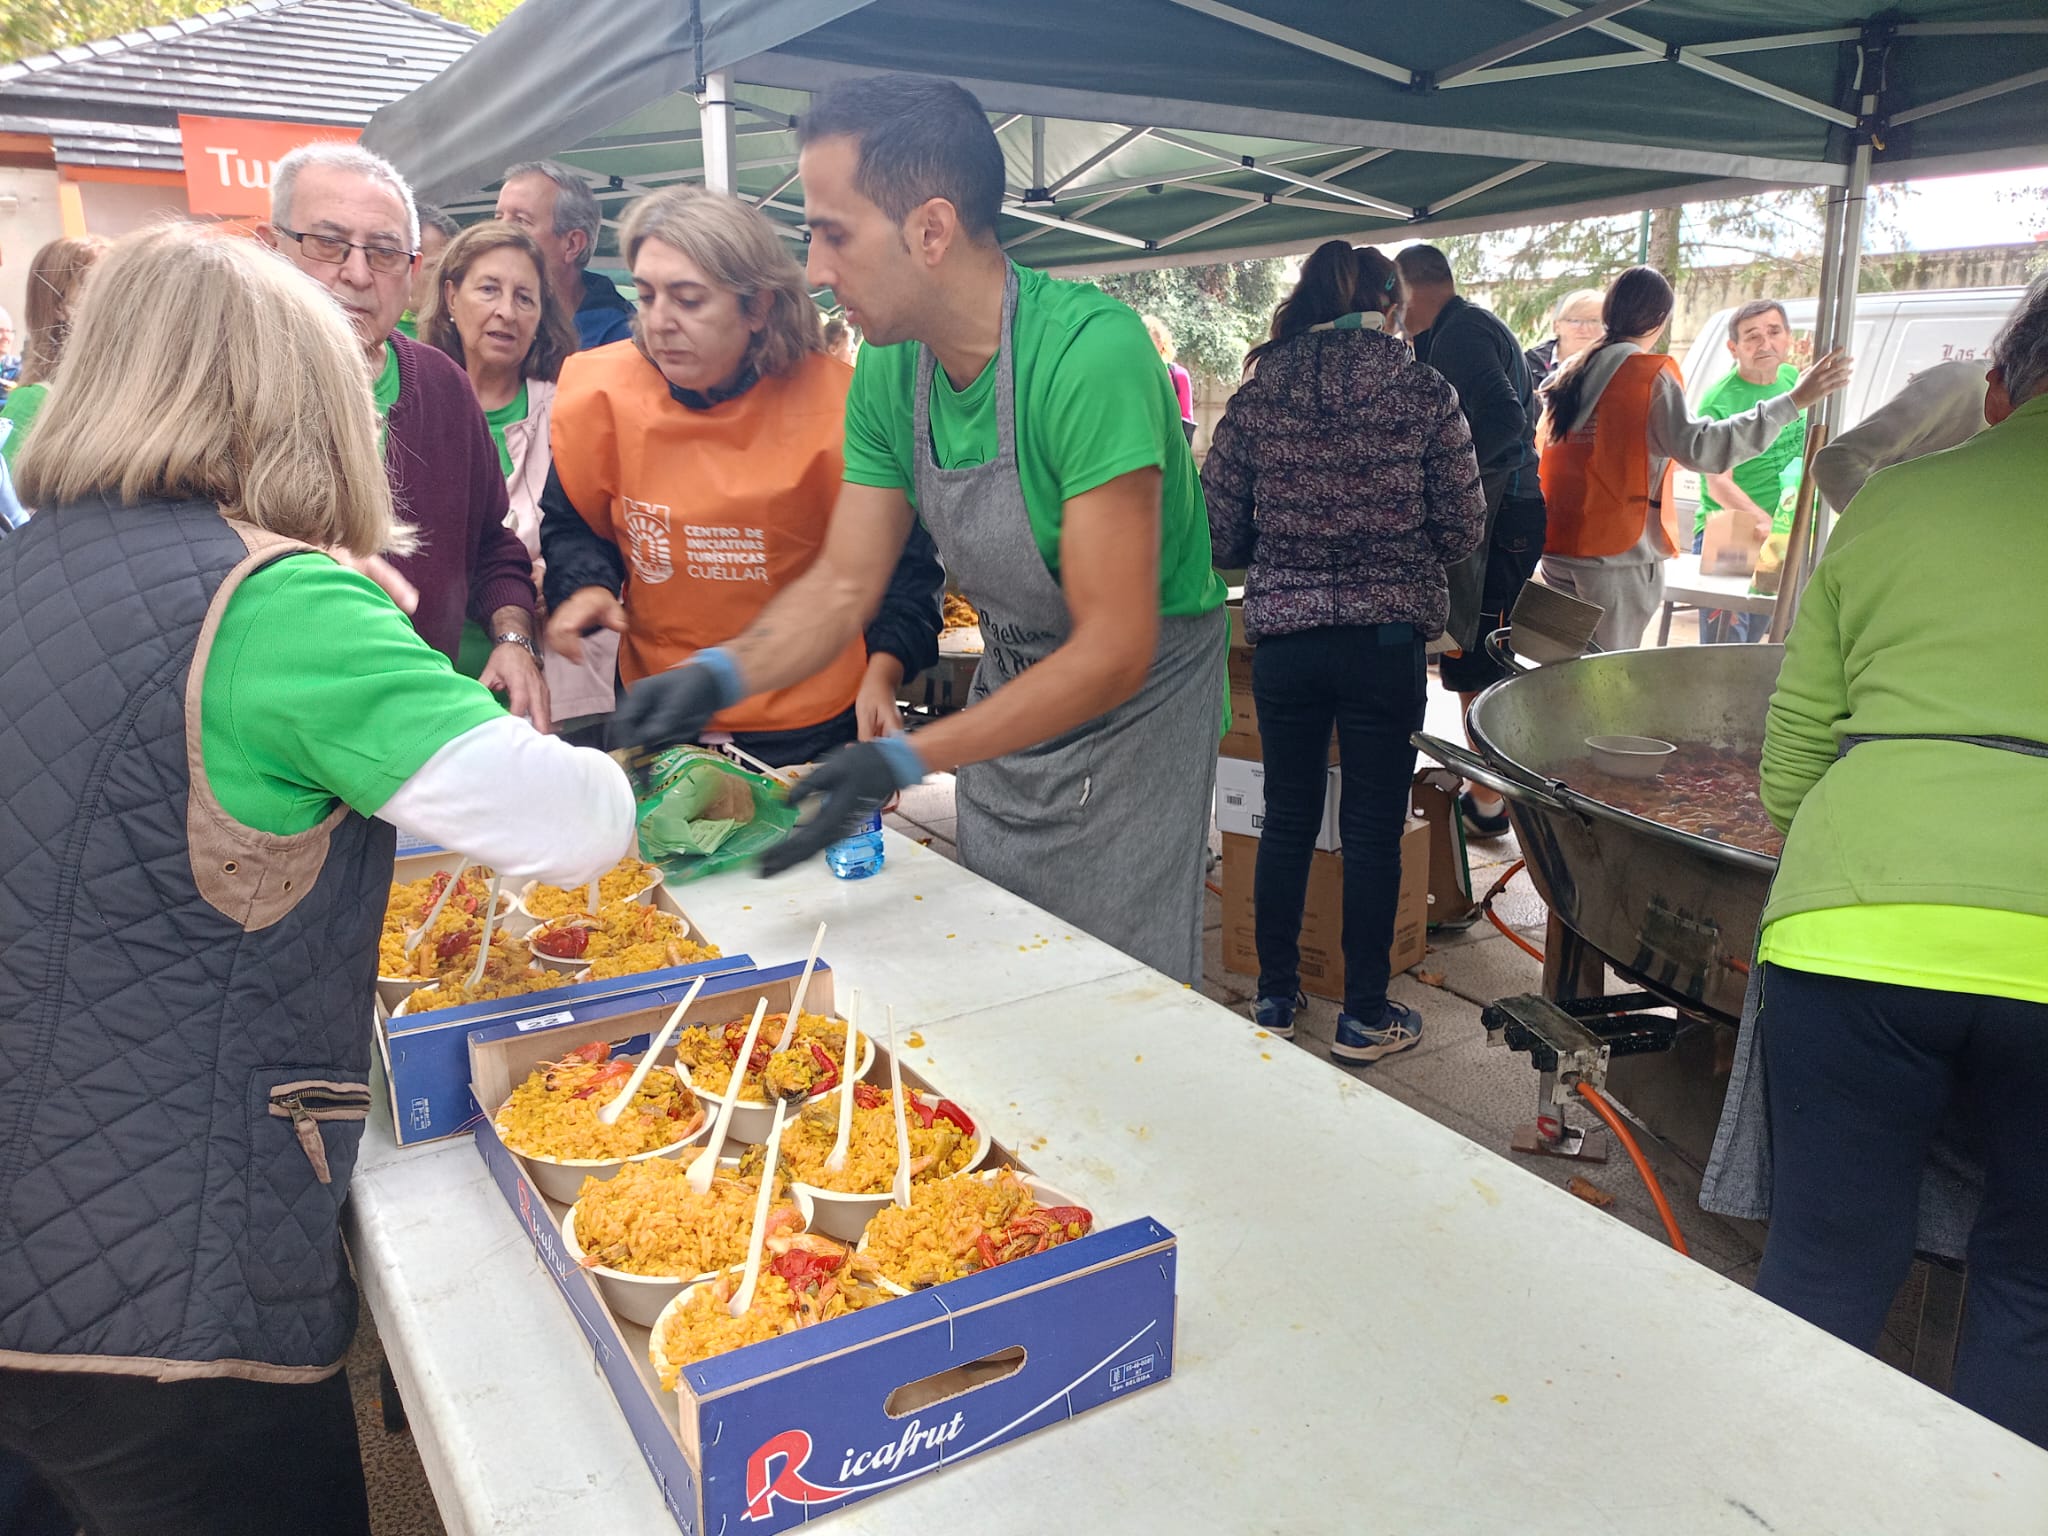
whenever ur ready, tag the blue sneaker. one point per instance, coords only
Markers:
(1275, 1015)
(1399, 1028)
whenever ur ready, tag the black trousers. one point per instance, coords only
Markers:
(1858, 1074)
(1367, 682)
(219, 1457)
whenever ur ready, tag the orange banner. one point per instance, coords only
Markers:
(228, 160)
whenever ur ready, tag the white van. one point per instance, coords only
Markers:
(1897, 335)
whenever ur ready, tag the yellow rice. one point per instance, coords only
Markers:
(937, 1238)
(509, 975)
(700, 1327)
(618, 927)
(628, 877)
(408, 902)
(709, 1054)
(870, 1147)
(635, 958)
(648, 1221)
(544, 1118)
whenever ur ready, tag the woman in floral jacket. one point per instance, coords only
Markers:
(1342, 476)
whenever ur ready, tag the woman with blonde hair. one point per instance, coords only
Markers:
(696, 469)
(494, 311)
(209, 730)
(56, 274)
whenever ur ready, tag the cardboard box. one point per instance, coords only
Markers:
(1322, 920)
(426, 1055)
(1434, 800)
(1241, 802)
(768, 1437)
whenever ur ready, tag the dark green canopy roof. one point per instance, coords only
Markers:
(1149, 131)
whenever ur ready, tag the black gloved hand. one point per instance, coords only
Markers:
(675, 706)
(850, 786)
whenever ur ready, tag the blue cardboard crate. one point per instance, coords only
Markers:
(769, 1437)
(426, 1056)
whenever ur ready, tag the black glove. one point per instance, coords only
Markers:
(850, 786)
(674, 706)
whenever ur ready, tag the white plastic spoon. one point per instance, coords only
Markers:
(837, 1160)
(900, 1190)
(611, 1112)
(705, 1163)
(412, 940)
(593, 895)
(483, 950)
(803, 985)
(737, 1307)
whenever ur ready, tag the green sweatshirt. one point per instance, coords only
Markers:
(1926, 615)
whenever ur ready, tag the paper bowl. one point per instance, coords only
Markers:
(751, 1123)
(846, 1217)
(579, 962)
(642, 897)
(560, 1178)
(1042, 1192)
(393, 990)
(404, 1004)
(1630, 757)
(642, 1298)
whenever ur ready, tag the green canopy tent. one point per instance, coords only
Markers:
(1158, 132)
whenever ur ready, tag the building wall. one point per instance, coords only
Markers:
(114, 208)
(33, 220)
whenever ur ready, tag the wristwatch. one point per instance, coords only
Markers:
(513, 637)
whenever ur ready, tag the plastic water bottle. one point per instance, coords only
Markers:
(859, 855)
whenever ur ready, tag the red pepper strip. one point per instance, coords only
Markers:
(828, 1068)
(801, 1268)
(988, 1250)
(925, 1115)
(952, 1112)
(866, 1096)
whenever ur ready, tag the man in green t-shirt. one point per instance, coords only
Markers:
(1027, 423)
(1760, 341)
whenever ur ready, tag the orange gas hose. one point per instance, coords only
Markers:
(1598, 1100)
(1486, 906)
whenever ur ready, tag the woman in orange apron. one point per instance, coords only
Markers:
(695, 471)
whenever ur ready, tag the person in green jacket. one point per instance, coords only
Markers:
(56, 273)
(1905, 943)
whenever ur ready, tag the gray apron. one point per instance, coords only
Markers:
(1106, 827)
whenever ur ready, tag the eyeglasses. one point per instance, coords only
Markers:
(1580, 325)
(330, 252)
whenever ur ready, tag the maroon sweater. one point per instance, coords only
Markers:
(445, 481)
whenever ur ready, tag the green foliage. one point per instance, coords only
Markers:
(1216, 313)
(29, 27)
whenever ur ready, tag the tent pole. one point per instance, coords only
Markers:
(721, 154)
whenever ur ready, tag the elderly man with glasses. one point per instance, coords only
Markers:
(346, 219)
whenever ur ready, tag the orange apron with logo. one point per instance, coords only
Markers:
(1596, 481)
(714, 511)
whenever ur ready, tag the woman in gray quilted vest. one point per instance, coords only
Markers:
(210, 724)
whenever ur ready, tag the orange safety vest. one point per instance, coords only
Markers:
(1596, 480)
(715, 511)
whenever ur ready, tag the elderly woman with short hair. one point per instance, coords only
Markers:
(696, 473)
(209, 733)
(1905, 946)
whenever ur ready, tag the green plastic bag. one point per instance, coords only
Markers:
(702, 813)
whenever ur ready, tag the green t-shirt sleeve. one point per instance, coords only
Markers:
(318, 690)
(1105, 405)
(878, 418)
(22, 404)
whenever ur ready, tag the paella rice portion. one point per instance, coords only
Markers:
(635, 958)
(618, 926)
(814, 1281)
(625, 879)
(449, 947)
(971, 1222)
(942, 1141)
(409, 900)
(648, 1221)
(810, 1065)
(553, 1114)
(507, 974)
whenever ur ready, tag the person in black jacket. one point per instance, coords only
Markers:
(1482, 361)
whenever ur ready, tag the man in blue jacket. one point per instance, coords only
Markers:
(555, 205)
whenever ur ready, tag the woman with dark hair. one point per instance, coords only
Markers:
(1615, 426)
(1342, 477)
(56, 274)
(493, 309)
